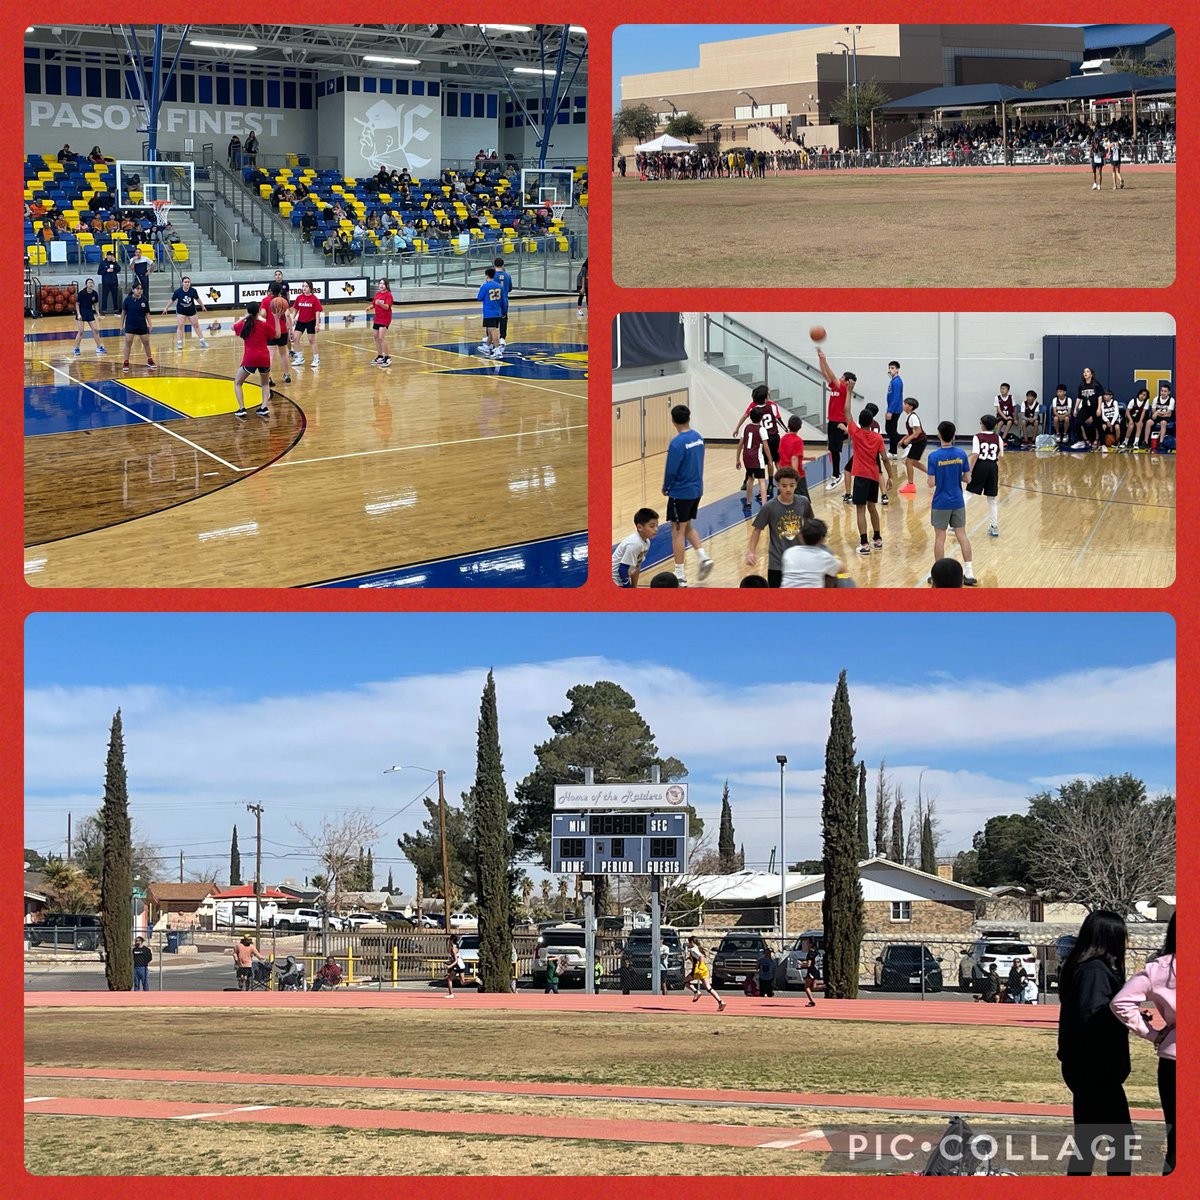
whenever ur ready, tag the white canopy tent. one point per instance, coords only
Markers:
(664, 142)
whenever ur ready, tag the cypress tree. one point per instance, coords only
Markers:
(116, 879)
(391, 887)
(842, 908)
(928, 850)
(493, 849)
(881, 813)
(235, 862)
(370, 876)
(726, 849)
(896, 853)
(864, 823)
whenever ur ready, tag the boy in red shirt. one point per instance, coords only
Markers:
(791, 452)
(867, 449)
(840, 388)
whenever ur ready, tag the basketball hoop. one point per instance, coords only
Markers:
(162, 210)
(558, 210)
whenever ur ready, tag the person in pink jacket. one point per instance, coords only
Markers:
(1155, 984)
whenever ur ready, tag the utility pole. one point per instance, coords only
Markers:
(181, 866)
(68, 839)
(445, 860)
(257, 810)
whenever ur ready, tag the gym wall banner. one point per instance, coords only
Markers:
(231, 295)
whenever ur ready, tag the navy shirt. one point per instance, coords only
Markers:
(135, 308)
(185, 302)
(505, 280)
(87, 304)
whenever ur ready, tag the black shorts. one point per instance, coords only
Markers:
(378, 325)
(278, 341)
(985, 479)
(185, 312)
(756, 473)
(866, 491)
(916, 449)
(491, 322)
(773, 442)
(680, 512)
(307, 326)
(143, 332)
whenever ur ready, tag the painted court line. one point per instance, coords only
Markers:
(225, 1112)
(156, 424)
(497, 437)
(813, 1135)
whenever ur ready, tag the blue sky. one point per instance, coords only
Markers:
(303, 712)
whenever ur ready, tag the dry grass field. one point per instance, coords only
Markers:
(988, 228)
(690, 1050)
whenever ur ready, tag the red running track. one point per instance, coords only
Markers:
(910, 1012)
(1082, 169)
(580, 1091)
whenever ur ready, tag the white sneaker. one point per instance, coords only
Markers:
(993, 531)
(297, 359)
(1103, 449)
(179, 345)
(316, 361)
(706, 566)
(835, 482)
(484, 350)
(503, 343)
(682, 578)
(203, 344)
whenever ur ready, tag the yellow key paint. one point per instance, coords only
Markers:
(195, 397)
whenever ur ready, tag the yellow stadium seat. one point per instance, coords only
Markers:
(509, 231)
(108, 248)
(507, 247)
(285, 208)
(146, 249)
(583, 199)
(35, 185)
(530, 245)
(292, 160)
(337, 187)
(180, 251)
(71, 216)
(384, 198)
(119, 235)
(562, 243)
(135, 197)
(264, 190)
(286, 172)
(37, 256)
(351, 183)
(345, 223)
(78, 206)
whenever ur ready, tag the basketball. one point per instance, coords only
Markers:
(817, 333)
(1110, 439)
(278, 305)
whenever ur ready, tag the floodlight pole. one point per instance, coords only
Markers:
(781, 759)
(854, 54)
(257, 810)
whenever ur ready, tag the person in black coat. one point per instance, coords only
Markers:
(1093, 1046)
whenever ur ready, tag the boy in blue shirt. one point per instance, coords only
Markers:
(895, 406)
(505, 280)
(683, 485)
(491, 296)
(949, 469)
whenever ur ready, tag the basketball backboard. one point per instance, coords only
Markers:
(547, 185)
(139, 184)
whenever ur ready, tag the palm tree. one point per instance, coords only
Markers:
(526, 893)
(562, 898)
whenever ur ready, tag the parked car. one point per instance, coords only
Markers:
(793, 961)
(999, 948)
(737, 958)
(1055, 955)
(567, 943)
(900, 968)
(462, 920)
(468, 951)
(79, 931)
(636, 966)
(393, 917)
(299, 918)
(359, 920)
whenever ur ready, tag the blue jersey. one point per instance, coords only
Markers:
(895, 397)
(948, 465)
(504, 278)
(684, 476)
(491, 294)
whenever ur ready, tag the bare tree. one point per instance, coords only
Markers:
(337, 843)
(1105, 844)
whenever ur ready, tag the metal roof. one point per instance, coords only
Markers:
(1102, 87)
(955, 97)
(450, 53)
(1104, 37)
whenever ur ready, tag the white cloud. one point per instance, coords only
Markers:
(195, 757)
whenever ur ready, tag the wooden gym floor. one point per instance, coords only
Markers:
(1070, 520)
(444, 469)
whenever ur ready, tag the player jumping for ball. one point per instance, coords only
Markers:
(840, 388)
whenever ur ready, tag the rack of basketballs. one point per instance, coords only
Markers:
(54, 299)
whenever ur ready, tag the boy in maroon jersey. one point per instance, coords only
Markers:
(1006, 410)
(840, 388)
(867, 454)
(772, 423)
(752, 449)
(987, 449)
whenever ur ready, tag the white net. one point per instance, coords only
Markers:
(162, 211)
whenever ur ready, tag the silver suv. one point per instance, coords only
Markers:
(1001, 948)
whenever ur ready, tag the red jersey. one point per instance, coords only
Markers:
(307, 305)
(752, 446)
(837, 401)
(867, 446)
(1006, 406)
(383, 308)
(791, 445)
(256, 354)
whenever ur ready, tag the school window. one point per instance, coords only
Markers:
(74, 81)
(239, 93)
(53, 81)
(451, 104)
(94, 81)
(901, 910)
(418, 87)
(222, 91)
(433, 89)
(206, 89)
(289, 95)
(256, 93)
(112, 83)
(385, 86)
(368, 85)
(273, 90)
(491, 108)
(169, 95)
(33, 79)
(402, 87)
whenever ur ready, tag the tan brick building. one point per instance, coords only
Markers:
(793, 78)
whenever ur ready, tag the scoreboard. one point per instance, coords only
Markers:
(618, 843)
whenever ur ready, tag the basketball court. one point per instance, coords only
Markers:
(1066, 517)
(443, 467)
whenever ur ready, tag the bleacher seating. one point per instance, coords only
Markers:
(430, 202)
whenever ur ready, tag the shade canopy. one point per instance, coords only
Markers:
(955, 97)
(664, 142)
(1102, 87)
